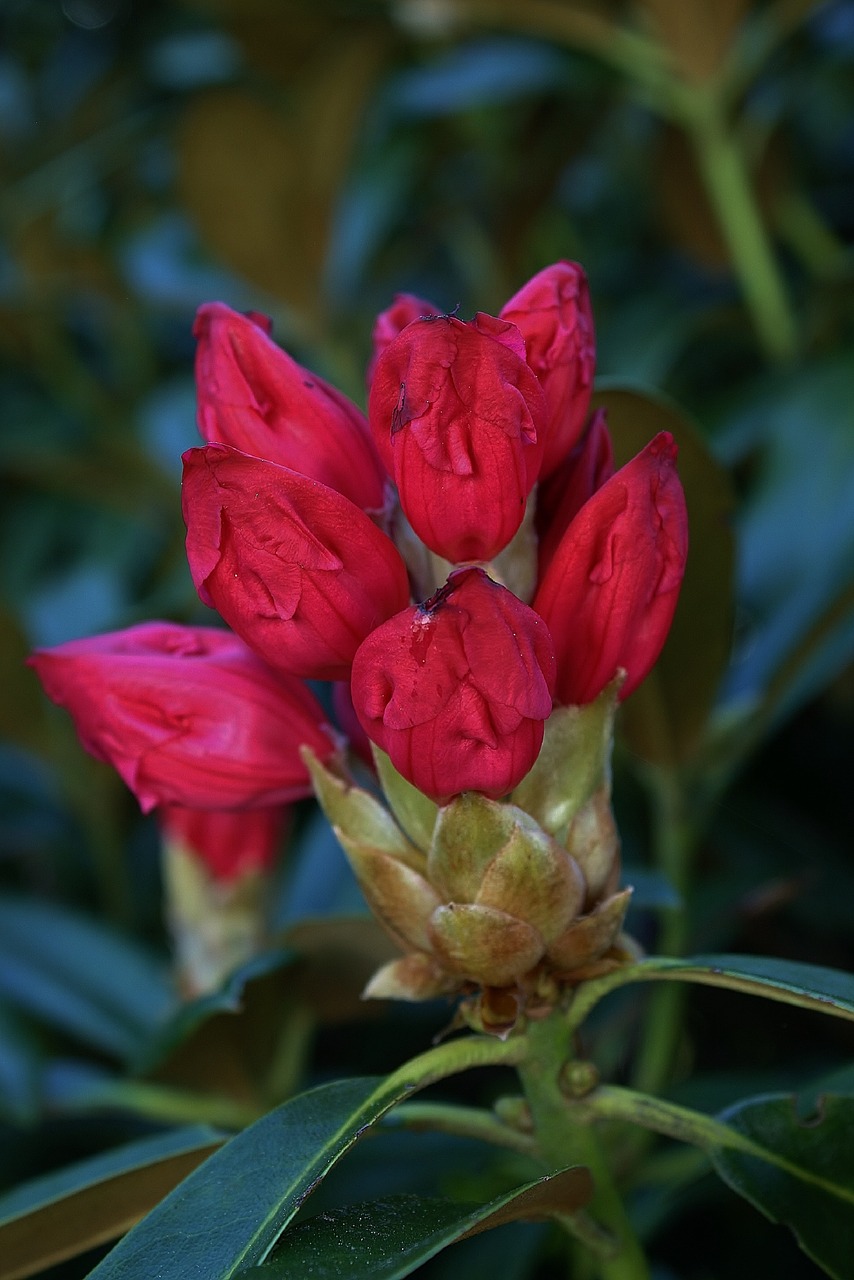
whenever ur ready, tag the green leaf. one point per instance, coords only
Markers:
(62, 1214)
(229, 1214)
(809, 986)
(810, 1186)
(80, 977)
(189, 1019)
(664, 719)
(389, 1239)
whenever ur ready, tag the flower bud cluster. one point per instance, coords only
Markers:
(509, 903)
(464, 561)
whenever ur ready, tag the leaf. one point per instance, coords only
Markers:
(664, 719)
(389, 1239)
(80, 977)
(62, 1214)
(809, 986)
(267, 1171)
(193, 1015)
(810, 1187)
(270, 1168)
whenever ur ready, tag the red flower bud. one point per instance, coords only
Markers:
(254, 397)
(564, 493)
(389, 323)
(553, 313)
(609, 593)
(456, 413)
(187, 715)
(456, 690)
(230, 842)
(298, 571)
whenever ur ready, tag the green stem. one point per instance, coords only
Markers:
(675, 840)
(562, 1141)
(724, 173)
(465, 1122)
(610, 1102)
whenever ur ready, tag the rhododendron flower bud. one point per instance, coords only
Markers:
(611, 588)
(456, 690)
(299, 572)
(254, 397)
(564, 493)
(456, 414)
(230, 843)
(187, 715)
(388, 324)
(554, 315)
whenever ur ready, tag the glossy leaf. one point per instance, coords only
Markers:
(80, 977)
(664, 719)
(389, 1239)
(809, 986)
(64, 1213)
(811, 1187)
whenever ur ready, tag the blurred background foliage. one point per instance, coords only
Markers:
(309, 160)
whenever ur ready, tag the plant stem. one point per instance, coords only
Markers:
(562, 1141)
(466, 1122)
(674, 844)
(724, 173)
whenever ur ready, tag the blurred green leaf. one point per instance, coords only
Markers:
(80, 977)
(64, 1213)
(664, 719)
(796, 534)
(813, 1192)
(389, 1239)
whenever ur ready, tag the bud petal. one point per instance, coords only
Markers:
(399, 897)
(553, 313)
(564, 493)
(456, 413)
(412, 977)
(187, 715)
(590, 936)
(456, 691)
(609, 594)
(299, 572)
(469, 833)
(229, 842)
(389, 323)
(483, 944)
(254, 397)
(535, 880)
(574, 762)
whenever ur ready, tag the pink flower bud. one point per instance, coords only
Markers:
(610, 590)
(553, 313)
(254, 397)
(389, 323)
(456, 690)
(564, 493)
(229, 842)
(298, 571)
(456, 413)
(187, 715)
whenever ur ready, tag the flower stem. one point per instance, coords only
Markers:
(562, 1141)
(725, 176)
(675, 843)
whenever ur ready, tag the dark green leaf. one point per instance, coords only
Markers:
(813, 1193)
(228, 1215)
(64, 1213)
(79, 976)
(389, 1239)
(194, 1014)
(663, 720)
(808, 985)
